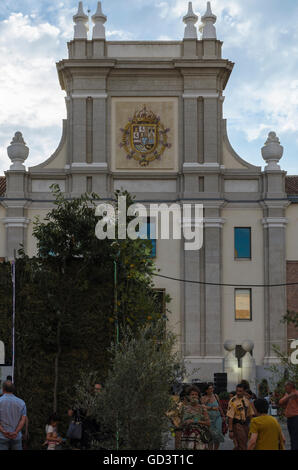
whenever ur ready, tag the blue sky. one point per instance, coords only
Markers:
(260, 36)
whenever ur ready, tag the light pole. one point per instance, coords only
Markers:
(117, 333)
(13, 275)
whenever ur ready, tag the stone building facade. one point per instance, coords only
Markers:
(171, 92)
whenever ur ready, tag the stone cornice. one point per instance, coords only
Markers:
(87, 95)
(20, 222)
(201, 94)
(274, 222)
(214, 222)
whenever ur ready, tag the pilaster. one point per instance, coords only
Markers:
(213, 293)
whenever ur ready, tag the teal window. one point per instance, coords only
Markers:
(148, 232)
(242, 237)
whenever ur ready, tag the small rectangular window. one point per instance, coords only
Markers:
(243, 304)
(242, 238)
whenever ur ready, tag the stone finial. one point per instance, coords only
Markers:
(190, 20)
(207, 28)
(99, 20)
(81, 23)
(247, 345)
(17, 152)
(229, 345)
(272, 152)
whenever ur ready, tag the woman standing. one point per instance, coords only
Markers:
(216, 415)
(194, 422)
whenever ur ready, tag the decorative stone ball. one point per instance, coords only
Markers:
(229, 345)
(247, 345)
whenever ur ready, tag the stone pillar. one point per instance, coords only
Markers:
(16, 222)
(190, 33)
(275, 297)
(274, 223)
(192, 319)
(211, 131)
(79, 146)
(231, 365)
(248, 364)
(190, 129)
(95, 166)
(213, 302)
(99, 128)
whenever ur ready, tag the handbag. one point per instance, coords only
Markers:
(75, 428)
(224, 426)
(205, 435)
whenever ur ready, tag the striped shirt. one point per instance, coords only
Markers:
(11, 411)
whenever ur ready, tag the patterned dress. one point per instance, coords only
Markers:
(191, 438)
(215, 422)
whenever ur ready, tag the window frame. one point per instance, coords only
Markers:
(250, 304)
(147, 221)
(236, 258)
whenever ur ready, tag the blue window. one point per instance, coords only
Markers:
(242, 237)
(148, 232)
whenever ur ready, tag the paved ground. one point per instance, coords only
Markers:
(228, 444)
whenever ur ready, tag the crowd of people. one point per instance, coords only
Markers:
(14, 424)
(200, 421)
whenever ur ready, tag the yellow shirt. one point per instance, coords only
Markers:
(240, 408)
(269, 433)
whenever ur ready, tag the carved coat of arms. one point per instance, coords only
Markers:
(144, 138)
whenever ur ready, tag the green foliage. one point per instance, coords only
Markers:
(65, 312)
(224, 395)
(286, 371)
(263, 388)
(136, 396)
(291, 317)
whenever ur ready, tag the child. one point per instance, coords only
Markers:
(52, 440)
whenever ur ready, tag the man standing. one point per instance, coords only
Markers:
(12, 418)
(265, 431)
(290, 402)
(239, 413)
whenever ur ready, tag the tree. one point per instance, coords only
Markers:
(286, 370)
(136, 397)
(65, 315)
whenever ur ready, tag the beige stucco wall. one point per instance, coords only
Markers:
(244, 272)
(149, 49)
(31, 241)
(229, 161)
(59, 161)
(2, 233)
(292, 233)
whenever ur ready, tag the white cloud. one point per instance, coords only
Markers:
(30, 95)
(261, 37)
(119, 35)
